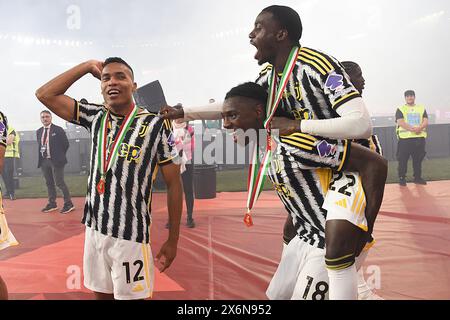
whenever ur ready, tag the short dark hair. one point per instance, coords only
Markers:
(46, 111)
(350, 66)
(410, 93)
(118, 60)
(288, 19)
(248, 90)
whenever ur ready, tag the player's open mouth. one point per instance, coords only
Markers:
(113, 93)
(256, 56)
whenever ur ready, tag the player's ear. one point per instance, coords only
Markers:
(282, 35)
(134, 86)
(260, 112)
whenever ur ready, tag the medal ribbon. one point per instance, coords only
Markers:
(105, 161)
(258, 170)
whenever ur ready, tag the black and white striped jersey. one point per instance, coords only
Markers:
(124, 210)
(301, 170)
(3, 129)
(301, 167)
(317, 87)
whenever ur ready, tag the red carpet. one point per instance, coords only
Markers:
(223, 259)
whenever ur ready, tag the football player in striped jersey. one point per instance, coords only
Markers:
(356, 77)
(319, 99)
(129, 145)
(302, 185)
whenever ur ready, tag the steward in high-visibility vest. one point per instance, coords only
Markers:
(412, 121)
(413, 115)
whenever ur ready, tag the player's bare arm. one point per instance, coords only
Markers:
(402, 123)
(52, 94)
(168, 251)
(168, 112)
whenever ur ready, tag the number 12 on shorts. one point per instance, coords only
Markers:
(137, 275)
(321, 289)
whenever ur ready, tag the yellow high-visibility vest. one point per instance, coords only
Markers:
(12, 150)
(413, 115)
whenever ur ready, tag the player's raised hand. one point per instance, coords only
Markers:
(171, 113)
(96, 68)
(166, 255)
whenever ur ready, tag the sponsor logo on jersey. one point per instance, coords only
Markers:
(325, 149)
(130, 152)
(334, 82)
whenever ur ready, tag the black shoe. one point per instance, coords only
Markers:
(402, 182)
(420, 181)
(67, 208)
(190, 223)
(50, 207)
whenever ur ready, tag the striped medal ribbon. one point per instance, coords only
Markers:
(105, 161)
(258, 169)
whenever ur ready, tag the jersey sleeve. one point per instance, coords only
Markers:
(166, 152)
(85, 113)
(398, 115)
(310, 152)
(330, 75)
(3, 129)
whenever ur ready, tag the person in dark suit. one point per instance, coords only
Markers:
(53, 145)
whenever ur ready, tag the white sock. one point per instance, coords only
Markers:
(343, 284)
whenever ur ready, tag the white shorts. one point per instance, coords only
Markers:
(301, 274)
(116, 266)
(346, 200)
(7, 239)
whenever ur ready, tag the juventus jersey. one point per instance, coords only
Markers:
(300, 168)
(3, 129)
(124, 210)
(3, 133)
(300, 172)
(317, 87)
